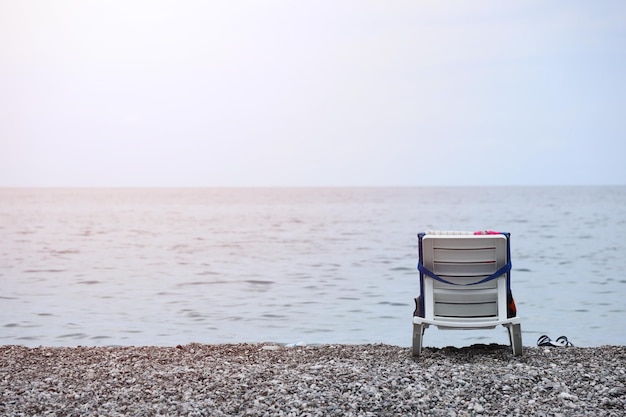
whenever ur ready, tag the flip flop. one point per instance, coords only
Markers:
(564, 342)
(545, 341)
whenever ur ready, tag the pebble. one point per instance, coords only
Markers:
(305, 380)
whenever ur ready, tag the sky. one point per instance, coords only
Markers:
(186, 93)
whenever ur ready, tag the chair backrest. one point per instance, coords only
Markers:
(457, 276)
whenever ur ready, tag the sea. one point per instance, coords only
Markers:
(171, 266)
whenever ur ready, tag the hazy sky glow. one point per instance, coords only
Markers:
(312, 93)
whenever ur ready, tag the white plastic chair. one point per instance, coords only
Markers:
(465, 284)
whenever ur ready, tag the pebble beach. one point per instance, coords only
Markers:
(321, 380)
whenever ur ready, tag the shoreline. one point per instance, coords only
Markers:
(320, 380)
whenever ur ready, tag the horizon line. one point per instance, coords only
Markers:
(301, 186)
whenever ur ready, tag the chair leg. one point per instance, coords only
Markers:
(515, 337)
(418, 336)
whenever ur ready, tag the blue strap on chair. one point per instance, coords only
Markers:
(505, 269)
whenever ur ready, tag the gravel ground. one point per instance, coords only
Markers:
(342, 380)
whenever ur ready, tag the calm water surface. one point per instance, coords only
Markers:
(312, 265)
